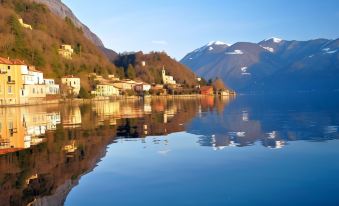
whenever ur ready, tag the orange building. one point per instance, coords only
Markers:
(206, 90)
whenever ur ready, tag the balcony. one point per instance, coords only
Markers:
(3, 71)
(10, 82)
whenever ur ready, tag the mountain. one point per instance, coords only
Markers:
(270, 65)
(40, 45)
(61, 10)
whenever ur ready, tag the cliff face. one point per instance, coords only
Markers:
(61, 10)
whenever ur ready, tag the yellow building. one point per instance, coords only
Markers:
(106, 90)
(126, 84)
(12, 132)
(26, 26)
(10, 81)
(66, 51)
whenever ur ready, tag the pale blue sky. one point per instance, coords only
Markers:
(180, 26)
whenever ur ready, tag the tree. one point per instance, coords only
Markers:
(83, 94)
(218, 85)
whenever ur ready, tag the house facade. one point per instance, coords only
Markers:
(20, 83)
(66, 51)
(106, 90)
(72, 85)
(51, 87)
(10, 82)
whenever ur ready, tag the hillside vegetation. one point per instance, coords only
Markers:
(40, 46)
(130, 66)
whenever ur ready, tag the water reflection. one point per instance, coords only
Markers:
(46, 149)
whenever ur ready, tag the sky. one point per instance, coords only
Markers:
(181, 26)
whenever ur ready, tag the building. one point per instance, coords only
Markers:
(106, 90)
(71, 85)
(206, 90)
(51, 87)
(166, 79)
(125, 84)
(33, 88)
(21, 84)
(26, 26)
(142, 87)
(66, 51)
(10, 82)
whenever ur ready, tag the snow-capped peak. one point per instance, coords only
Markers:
(274, 39)
(217, 43)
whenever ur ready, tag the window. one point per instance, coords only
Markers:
(9, 67)
(33, 90)
(9, 78)
(9, 90)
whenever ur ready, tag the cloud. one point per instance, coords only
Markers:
(161, 42)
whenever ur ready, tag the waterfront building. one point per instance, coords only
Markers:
(206, 90)
(142, 87)
(126, 84)
(106, 90)
(10, 81)
(51, 87)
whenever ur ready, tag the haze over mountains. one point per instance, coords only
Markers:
(270, 65)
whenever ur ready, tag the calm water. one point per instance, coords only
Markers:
(251, 150)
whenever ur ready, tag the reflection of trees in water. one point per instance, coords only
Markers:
(47, 172)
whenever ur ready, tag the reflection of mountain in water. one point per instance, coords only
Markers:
(272, 120)
(47, 149)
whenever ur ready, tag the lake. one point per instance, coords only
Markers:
(248, 150)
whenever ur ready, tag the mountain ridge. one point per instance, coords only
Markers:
(261, 66)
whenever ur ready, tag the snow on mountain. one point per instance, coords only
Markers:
(268, 49)
(235, 52)
(274, 39)
(217, 43)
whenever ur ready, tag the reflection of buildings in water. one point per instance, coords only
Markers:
(12, 131)
(107, 111)
(216, 141)
(170, 112)
(147, 105)
(22, 127)
(70, 148)
(273, 141)
(245, 116)
(71, 117)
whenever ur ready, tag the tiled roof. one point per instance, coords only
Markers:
(5, 61)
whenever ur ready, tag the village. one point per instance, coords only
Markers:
(23, 84)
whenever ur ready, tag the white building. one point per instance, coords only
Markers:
(73, 83)
(166, 78)
(142, 87)
(51, 87)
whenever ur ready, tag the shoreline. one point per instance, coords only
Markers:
(88, 101)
